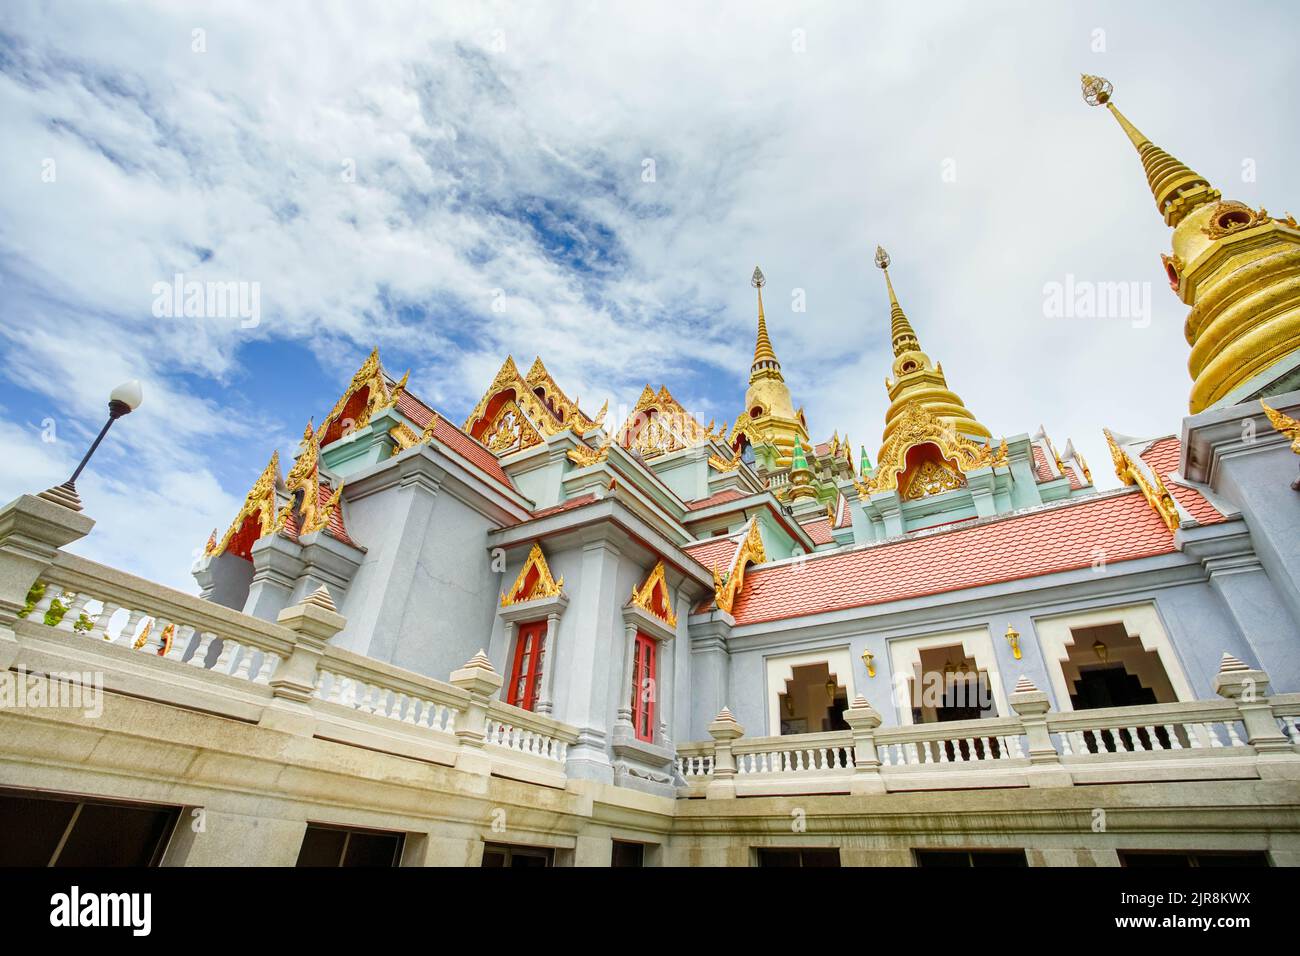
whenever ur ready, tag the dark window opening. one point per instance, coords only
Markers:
(1174, 859)
(55, 830)
(627, 854)
(497, 855)
(800, 856)
(346, 846)
(948, 858)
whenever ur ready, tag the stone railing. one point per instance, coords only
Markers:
(61, 614)
(1246, 735)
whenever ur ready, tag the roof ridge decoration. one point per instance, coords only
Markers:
(644, 597)
(379, 395)
(584, 455)
(1289, 427)
(1147, 480)
(259, 502)
(512, 416)
(1283, 423)
(659, 424)
(918, 425)
(727, 586)
(534, 581)
(305, 477)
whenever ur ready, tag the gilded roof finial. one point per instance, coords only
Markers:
(901, 333)
(764, 356)
(1176, 188)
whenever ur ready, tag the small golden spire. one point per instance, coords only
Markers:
(1176, 188)
(901, 332)
(764, 356)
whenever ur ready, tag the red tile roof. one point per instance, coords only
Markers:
(844, 514)
(452, 437)
(1042, 470)
(569, 505)
(1120, 527)
(1162, 457)
(819, 529)
(713, 552)
(723, 496)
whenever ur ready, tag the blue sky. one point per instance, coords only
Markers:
(499, 153)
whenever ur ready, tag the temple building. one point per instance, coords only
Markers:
(648, 640)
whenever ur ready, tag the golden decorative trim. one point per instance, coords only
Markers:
(378, 397)
(643, 597)
(1153, 488)
(259, 502)
(1228, 217)
(932, 478)
(584, 455)
(659, 424)
(404, 437)
(718, 464)
(1285, 424)
(543, 586)
(727, 588)
(918, 425)
(524, 418)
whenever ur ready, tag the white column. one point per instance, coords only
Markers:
(629, 665)
(665, 690)
(544, 698)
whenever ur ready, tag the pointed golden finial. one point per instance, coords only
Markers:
(1176, 188)
(764, 356)
(901, 333)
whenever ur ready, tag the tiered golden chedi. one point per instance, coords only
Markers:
(769, 415)
(1238, 269)
(917, 380)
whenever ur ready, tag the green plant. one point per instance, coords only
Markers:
(33, 596)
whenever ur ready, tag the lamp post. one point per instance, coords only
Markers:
(123, 400)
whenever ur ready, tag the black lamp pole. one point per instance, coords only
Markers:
(116, 409)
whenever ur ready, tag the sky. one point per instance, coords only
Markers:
(592, 183)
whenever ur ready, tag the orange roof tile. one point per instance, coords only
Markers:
(721, 497)
(1119, 526)
(713, 552)
(819, 529)
(1042, 470)
(452, 437)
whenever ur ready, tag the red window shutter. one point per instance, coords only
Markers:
(644, 689)
(526, 670)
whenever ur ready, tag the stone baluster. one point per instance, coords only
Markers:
(1032, 705)
(863, 719)
(1248, 688)
(481, 681)
(294, 680)
(724, 730)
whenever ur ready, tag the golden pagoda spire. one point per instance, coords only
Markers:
(764, 356)
(1176, 188)
(917, 380)
(901, 333)
(1238, 269)
(769, 417)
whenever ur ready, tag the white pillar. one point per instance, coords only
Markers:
(629, 665)
(544, 698)
(664, 691)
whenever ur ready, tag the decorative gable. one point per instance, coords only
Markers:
(256, 516)
(652, 596)
(959, 455)
(534, 581)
